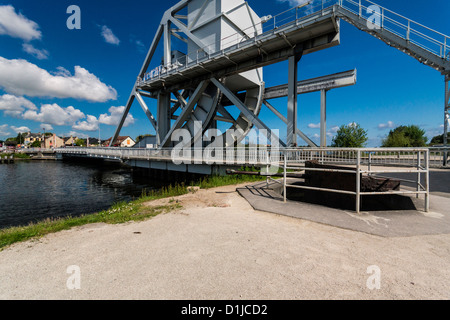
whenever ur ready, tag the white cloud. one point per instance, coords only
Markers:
(388, 125)
(14, 106)
(39, 54)
(309, 9)
(314, 126)
(140, 46)
(53, 114)
(4, 130)
(46, 127)
(20, 129)
(334, 129)
(77, 135)
(114, 117)
(294, 2)
(22, 78)
(109, 36)
(91, 124)
(17, 25)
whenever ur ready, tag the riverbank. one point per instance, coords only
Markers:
(214, 246)
(119, 213)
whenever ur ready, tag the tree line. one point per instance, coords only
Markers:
(411, 136)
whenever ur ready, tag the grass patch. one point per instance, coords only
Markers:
(21, 156)
(15, 155)
(120, 212)
(220, 181)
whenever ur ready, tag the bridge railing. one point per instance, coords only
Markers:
(260, 156)
(383, 18)
(373, 163)
(439, 156)
(36, 150)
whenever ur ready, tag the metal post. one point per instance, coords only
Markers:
(292, 103)
(163, 121)
(408, 31)
(323, 119)
(285, 177)
(446, 116)
(360, 8)
(427, 180)
(358, 182)
(167, 45)
(292, 98)
(419, 154)
(445, 48)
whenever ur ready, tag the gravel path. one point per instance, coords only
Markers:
(218, 247)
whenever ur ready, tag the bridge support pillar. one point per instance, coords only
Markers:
(164, 116)
(293, 98)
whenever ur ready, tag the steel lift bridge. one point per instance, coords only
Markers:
(226, 46)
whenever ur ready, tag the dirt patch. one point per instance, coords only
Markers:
(200, 198)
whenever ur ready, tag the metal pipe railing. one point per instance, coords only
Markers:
(356, 166)
(407, 26)
(371, 157)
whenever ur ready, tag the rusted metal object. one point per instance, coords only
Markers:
(334, 179)
(258, 173)
(345, 180)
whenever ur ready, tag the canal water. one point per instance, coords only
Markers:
(32, 191)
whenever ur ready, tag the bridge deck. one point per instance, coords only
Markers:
(317, 31)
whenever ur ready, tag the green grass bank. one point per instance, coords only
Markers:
(120, 212)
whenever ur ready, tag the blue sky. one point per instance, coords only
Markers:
(77, 81)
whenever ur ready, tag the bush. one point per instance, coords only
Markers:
(350, 136)
(405, 137)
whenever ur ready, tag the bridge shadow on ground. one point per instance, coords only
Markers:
(347, 202)
(391, 216)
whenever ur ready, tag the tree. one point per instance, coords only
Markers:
(36, 144)
(142, 136)
(439, 139)
(350, 136)
(405, 137)
(80, 143)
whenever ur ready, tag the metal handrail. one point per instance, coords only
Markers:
(418, 167)
(408, 27)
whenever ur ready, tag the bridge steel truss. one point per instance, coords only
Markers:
(200, 87)
(197, 84)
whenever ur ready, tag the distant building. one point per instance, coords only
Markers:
(30, 138)
(92, 142)
(10, 144)
(148, 142)
(70, 141)
(52, 142)
(121, 142)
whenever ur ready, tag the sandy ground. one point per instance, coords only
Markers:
(218, 247)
